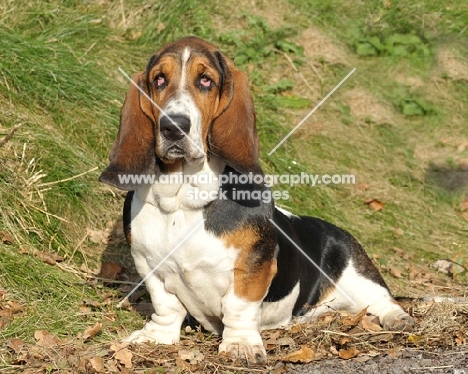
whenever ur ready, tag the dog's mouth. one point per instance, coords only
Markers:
(176, 152)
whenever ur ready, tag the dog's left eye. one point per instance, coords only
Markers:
(160, 81)
(205, 82)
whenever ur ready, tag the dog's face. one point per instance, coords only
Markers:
(185, 81)
(189, 104)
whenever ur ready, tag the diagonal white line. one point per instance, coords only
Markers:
(160, 263)
(312, 262)
(311, 112)
(162, 111)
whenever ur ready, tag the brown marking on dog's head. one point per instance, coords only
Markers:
(191, 102)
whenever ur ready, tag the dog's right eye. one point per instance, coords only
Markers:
(160, 81)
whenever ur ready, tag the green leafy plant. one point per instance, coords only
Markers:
(398, 45)
(259, 41)
(416, 107)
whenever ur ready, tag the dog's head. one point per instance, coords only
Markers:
(190, 104)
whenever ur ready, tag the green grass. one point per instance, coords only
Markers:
(59, 78)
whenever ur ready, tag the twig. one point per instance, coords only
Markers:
(9, 136)
(311, 64)
(124, 20)
(367, 333)
(111, 281)
(295, 68)
(76, 248)
(67, 179)
(46, 213)
(287, 58)
(433, 367)
(236, 367)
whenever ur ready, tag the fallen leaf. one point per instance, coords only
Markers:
(464, 205)
(375, 204)
(371, 323)
(286, 341)
(355, 330)
(23, 251)
(5, 237)
(91, 332)
(464, 215)
(398, 232)
(460, 339)
(295, 328)
(194, 356)
(46, 339)
(463, 164)
(380, 338)
(333, 350)
(395, 351)
(353, 320)
(395, 272)
(110, 270)
(116, 234)
(161, 26)
(16, 344)
(92, 303)
(97, 236)
(401, 253)
(84, 310)
(97, 363)
(363, 186)
(122, 354)
(281, 370)
(461, 147)
(346, 354)
(272, 341)
(303, 355)
(327, 318)
(48, 258)
(14, 306)
(416, 339)
(5, 313)
(345, 340)
(415, 272)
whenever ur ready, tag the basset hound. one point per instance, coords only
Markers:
(236, 265)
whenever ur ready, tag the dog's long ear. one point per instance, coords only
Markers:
(233, 135)
(134, 149)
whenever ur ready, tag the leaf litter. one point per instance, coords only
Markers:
(334, 335)
(442, 323)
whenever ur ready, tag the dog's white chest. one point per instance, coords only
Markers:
(192, 263)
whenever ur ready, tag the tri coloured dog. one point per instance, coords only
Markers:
(233, 264)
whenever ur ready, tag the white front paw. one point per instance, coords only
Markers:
(154, 334)
(246, 345)
(397, 320)
(253, 353)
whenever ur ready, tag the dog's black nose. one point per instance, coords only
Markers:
(175, 127)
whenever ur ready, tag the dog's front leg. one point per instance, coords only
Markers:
(169, 313)
(241, 308)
